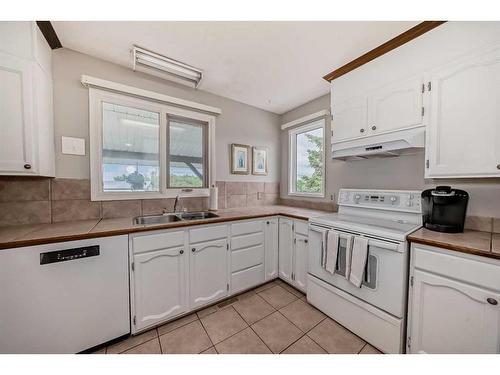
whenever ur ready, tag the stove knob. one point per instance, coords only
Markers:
(393, 199)
(357, 197)
(409, 203)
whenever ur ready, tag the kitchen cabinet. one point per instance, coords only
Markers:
(293, 252)
(286, 248)
(26, 117)
(396, 106)
(208, 265)
(463, 136)
(271, 243)
(454, 303)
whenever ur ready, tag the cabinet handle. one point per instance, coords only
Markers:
(361, 130)
(193, 249)
(181, 252)
(492, 301)
(374, 127)
(27, 166)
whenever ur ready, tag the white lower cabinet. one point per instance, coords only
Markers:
(285, 249)
(293, 252)
(300, 262)
(159, 286)
(208, 281)
(454, 303)
(271, 244)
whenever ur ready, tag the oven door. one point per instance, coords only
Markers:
(386, 273)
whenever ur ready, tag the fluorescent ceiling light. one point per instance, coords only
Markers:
(162, 66)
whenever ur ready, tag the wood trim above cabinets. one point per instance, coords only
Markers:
(388, 46)
(49, 33)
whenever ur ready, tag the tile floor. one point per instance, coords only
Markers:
(273, 318)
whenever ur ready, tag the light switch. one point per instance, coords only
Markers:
(73, 146)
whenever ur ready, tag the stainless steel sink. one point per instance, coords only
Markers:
(157, 219)
(198, 215)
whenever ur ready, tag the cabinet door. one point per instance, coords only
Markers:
(286, 246)
(271, 248)
(349, 119)
(16, 116)
(463, 137)
(448, 316)
(300, 262)
(159, 286)
(208, 270)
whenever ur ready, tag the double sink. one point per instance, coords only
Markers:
(174, 217)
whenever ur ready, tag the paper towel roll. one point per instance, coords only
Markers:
(214, 195)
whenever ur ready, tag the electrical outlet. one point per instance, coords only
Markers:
(332, 197)
(260, 195)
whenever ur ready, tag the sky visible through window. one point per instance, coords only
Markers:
(304, 144)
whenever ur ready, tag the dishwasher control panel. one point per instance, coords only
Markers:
(69, 254)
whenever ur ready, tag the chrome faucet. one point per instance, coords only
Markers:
(175, 203)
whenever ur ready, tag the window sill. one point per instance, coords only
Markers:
(307, 195)
(171, 193)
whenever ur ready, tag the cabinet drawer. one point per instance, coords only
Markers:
(464, 267)
(207, 233)
(247, 240)
(301, 227)
(247, 279)
(247, 227)
(157, 241)
(245, 258)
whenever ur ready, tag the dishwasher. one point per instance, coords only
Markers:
(64, 297)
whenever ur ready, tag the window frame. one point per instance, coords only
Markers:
(97, 97)
(292, 157)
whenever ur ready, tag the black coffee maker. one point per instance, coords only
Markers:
(443, 209)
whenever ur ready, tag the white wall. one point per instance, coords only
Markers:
(404, 172)
(239, 123)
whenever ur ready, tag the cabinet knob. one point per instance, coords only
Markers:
(361, 130)
(267, 222)
(492, 301)
(498, 166)
(374, 127)
(193, 249)
(27, 166)
(306, 241)
(181, 252)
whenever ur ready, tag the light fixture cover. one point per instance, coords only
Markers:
(161, 66)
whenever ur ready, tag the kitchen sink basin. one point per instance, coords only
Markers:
(157, 219)
(198, 215)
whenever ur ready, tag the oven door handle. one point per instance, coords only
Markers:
(399, 247)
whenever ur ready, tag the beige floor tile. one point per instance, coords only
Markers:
(277, 296)
(131, 341)
(244, 342)
(253, 308)
(265, 286)
(188, 339)
(222, 324)
(210, 350)
(334, 338)
(207, 311)
(276, 332)
(291, 289)
(368, 349)
(149, 347)
(302, 315)
(245, 295)
(174, 324)
(304, 346)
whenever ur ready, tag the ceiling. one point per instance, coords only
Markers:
(275, 66)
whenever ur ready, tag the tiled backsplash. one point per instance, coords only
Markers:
(33, 200)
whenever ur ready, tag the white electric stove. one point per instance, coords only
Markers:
(377, 310)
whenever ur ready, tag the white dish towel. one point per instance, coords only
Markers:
(348, 250)
(358, 260)
(332, 250)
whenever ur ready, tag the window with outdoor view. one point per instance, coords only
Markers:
(307, 154)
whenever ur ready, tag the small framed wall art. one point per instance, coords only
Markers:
(259, 164)
(240, 159)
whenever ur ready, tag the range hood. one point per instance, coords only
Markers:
(396, 143)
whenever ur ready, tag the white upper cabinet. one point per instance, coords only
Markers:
(463, 138)
(396, 106)
(349, 118)
(26, 112)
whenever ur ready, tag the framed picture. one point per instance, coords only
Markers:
(240, 159)
(259, 165)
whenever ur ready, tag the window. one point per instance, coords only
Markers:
(143, 149)
(307, 155)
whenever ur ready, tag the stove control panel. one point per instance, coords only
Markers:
(402, 200)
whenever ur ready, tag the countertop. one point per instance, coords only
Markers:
(37, 234)
(470, 241)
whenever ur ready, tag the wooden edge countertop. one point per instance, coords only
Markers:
(37, 234)
(470, 241)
